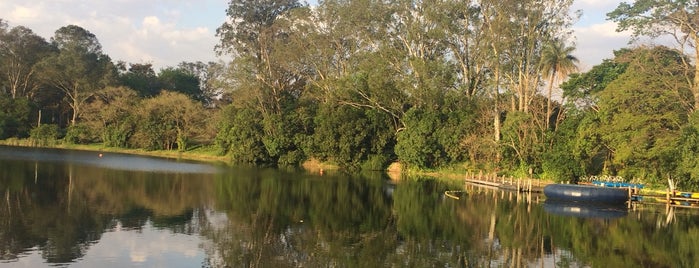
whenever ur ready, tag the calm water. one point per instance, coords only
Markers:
(70, 208)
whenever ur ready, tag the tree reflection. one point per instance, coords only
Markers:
(62, 209)
(276, 221)
(272, 218)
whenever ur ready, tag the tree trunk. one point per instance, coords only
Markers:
(496, 110)
(548, 100)
(695, 86)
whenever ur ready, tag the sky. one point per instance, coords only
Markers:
(167, 32)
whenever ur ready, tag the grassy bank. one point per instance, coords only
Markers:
(205, 154)
(395, 171)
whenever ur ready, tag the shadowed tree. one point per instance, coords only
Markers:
(141, 78)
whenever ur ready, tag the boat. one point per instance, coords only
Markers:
(618, 184)
(586, 193)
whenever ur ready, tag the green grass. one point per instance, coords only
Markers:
(199, 153)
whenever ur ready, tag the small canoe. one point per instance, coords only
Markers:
(586, 193)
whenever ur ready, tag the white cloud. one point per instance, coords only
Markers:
(161, 32)
(597, 42)
(21, 13)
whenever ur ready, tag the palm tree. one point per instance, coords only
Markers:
(556, 63)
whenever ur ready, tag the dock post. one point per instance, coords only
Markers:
(630, 196)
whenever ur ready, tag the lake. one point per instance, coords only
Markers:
(80, 209)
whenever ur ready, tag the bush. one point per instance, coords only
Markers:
(417, 145)
(376, 162)
(78, 134)
(44, 135)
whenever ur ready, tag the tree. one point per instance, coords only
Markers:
(679, 19)
(240, 135)
(180, 80)
(252, 36)
(20, 50)
(111, 114)
(15, 116)
(79, 69)
(556, 63)
(639, 119)
(209, 75)
(141, 78)
(168, 121)
(581, 89)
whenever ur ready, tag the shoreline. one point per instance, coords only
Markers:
(395, 172)
(204, 156)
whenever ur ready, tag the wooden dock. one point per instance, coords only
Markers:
(637, 195)
(506, 183)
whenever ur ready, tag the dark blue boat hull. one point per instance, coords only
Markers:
(586, 193)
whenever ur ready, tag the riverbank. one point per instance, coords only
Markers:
(395, 171)
(204, 154)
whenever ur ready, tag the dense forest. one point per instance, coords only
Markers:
(445, 84)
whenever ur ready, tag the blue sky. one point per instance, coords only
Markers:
(166, 32)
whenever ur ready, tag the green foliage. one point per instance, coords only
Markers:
(79, 69)
(111, 115)
(521, 142)
(640, 115)
(458, 122)
(79, 134)
(14, 117)
(560, 163)
(20, 50)
(581, 87)
(375, 162)
(178, 80)
(46, 134)
(168, 121)
(141, 78)
(687, 150)
(364, 83)
(347, 136)
(417, 145)
(241, 135)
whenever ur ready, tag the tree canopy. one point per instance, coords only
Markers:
(447, 84)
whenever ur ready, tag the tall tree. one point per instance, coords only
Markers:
(679, 19)
(208, 73)
(79, 69)
(556, 63)
(20, 50)
(250, 34)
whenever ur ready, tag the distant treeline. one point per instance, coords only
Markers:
(446, 84)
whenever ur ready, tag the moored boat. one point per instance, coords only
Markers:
(586, 193)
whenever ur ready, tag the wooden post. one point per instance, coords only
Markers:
(630, 195)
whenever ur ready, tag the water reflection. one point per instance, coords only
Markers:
(585, 210)
(104, 160)
(57, 212)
